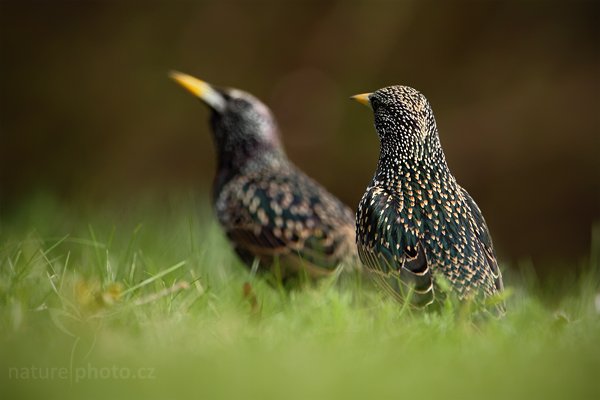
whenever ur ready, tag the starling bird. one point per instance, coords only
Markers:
(414, 220)
(270, 210)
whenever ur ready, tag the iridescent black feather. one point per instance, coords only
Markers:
(414, 220)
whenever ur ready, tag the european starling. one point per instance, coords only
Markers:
(270, 210)
(414, 220)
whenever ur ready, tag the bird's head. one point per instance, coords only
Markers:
(242, 125)
(404, 122)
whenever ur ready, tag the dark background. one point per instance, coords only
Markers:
(88, 114)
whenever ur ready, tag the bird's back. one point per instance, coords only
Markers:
(410, 232)
(277, 214)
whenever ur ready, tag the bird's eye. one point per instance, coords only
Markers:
(375, 103)
(237, 102)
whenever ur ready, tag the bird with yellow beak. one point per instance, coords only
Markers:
(275, 216)
(415, 223)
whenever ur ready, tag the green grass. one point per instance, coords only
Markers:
(137, 302)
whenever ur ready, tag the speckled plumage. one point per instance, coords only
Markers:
(270, 210)
(415, 220)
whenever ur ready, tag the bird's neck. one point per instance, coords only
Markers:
(393, 168)
(236, 158)
(235, 161)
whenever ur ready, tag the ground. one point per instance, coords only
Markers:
(98, 303)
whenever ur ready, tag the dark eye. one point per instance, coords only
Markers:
(240, 104)
(375, 103)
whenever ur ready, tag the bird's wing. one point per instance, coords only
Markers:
(268, 216)
(483, 235)
(392, 250)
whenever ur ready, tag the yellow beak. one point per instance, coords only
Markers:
(200, 89)
(362, 98)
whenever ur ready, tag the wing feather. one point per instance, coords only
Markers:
(286, 215)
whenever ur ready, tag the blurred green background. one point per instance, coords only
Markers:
(87, 113)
